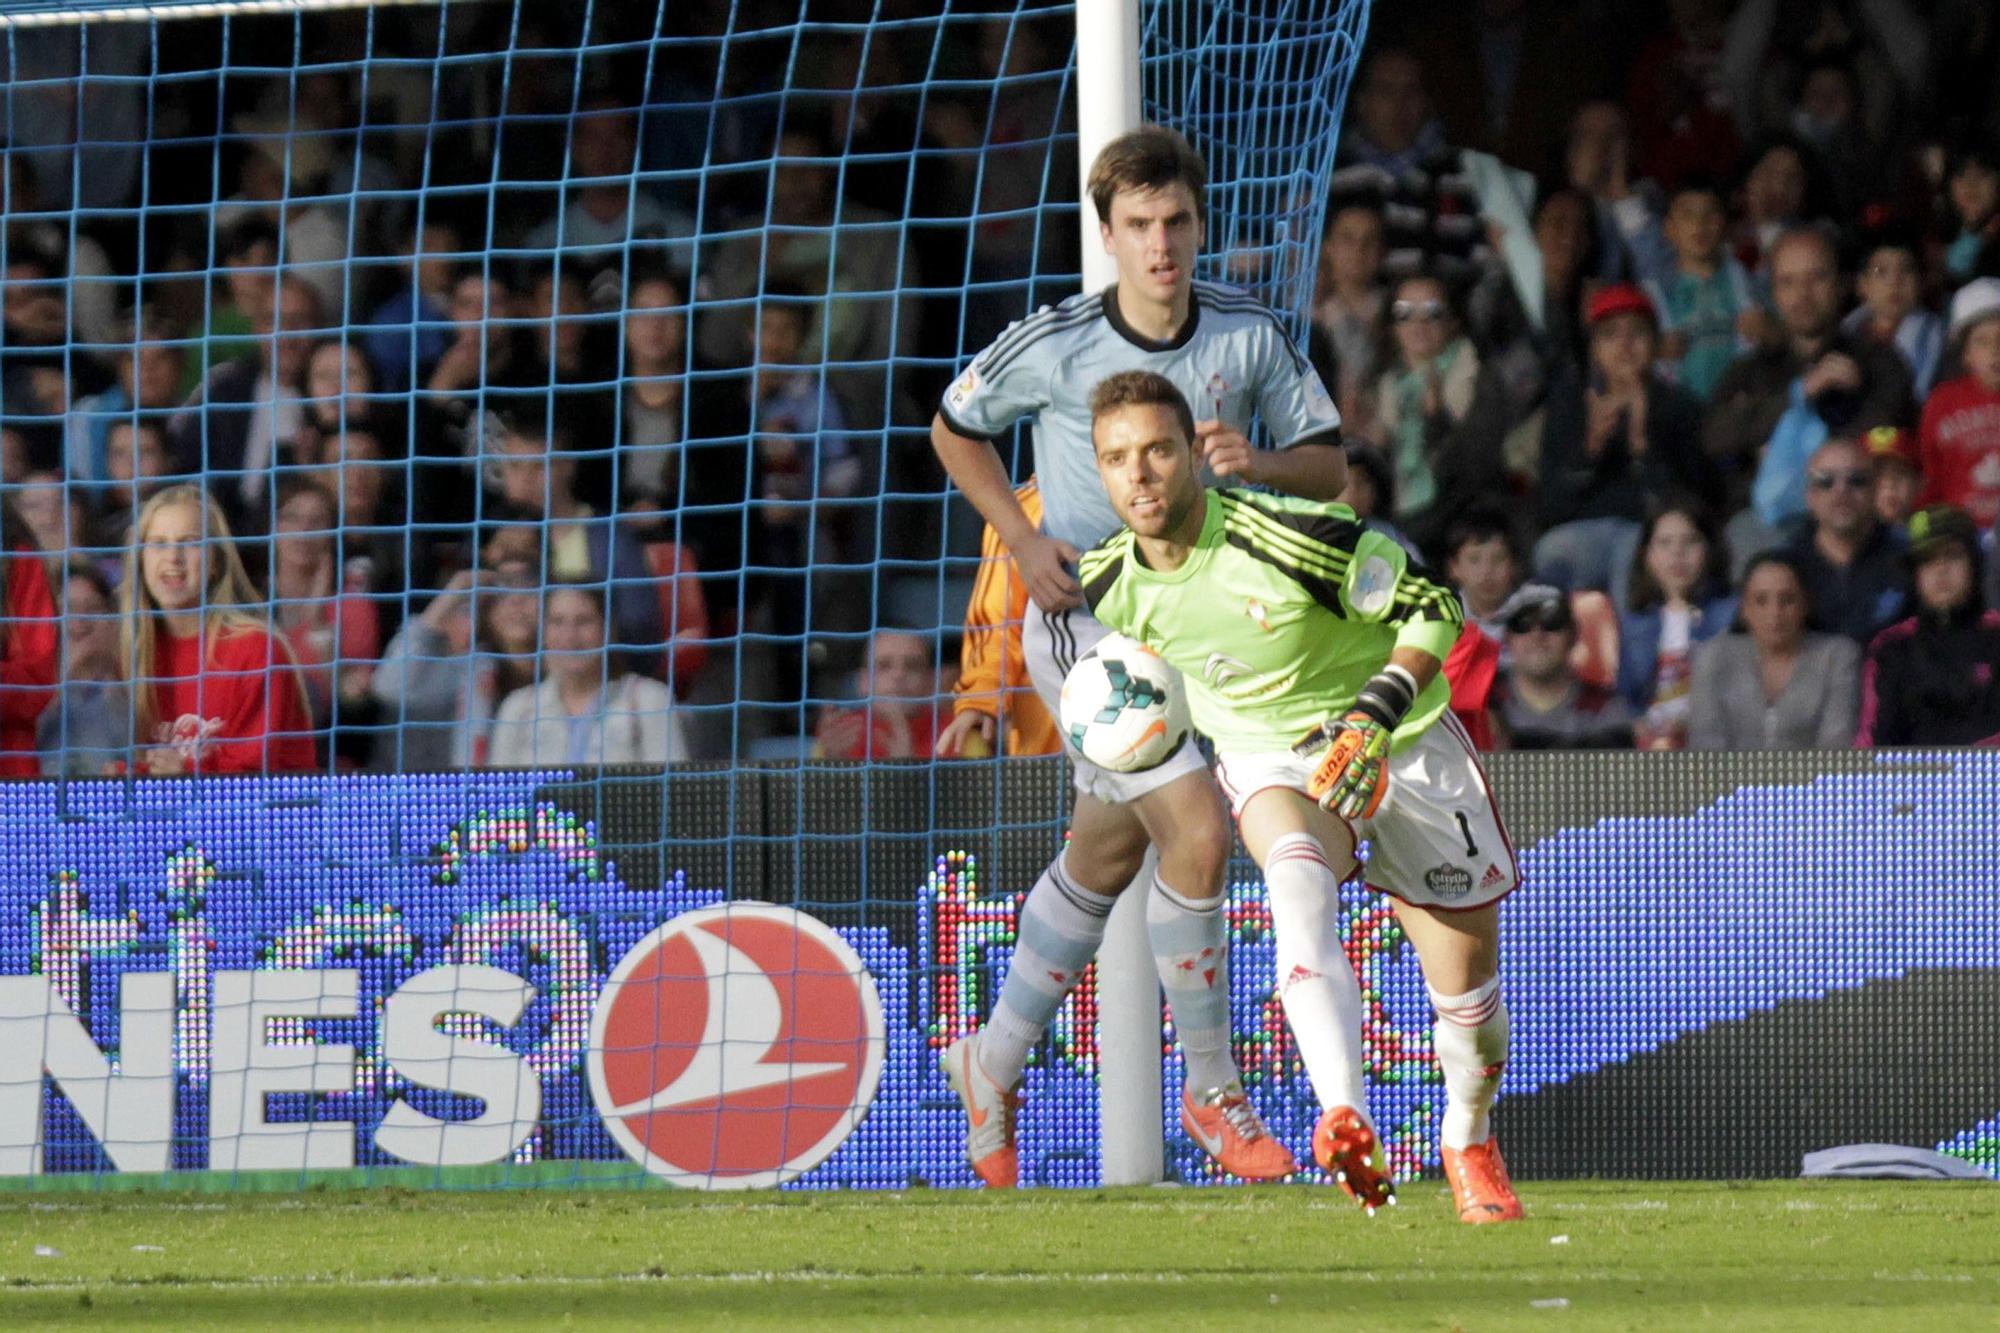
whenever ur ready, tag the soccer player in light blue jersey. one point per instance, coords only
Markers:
(1313, 651)
(1229, 353)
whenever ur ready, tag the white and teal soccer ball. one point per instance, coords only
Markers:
(1123, 706)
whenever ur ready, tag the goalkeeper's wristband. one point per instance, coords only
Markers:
(1387, 696)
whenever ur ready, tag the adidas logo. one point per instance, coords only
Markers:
(1491, 877)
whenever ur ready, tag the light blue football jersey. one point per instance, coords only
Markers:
(1233, 361)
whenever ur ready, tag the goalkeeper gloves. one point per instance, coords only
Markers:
(1352, 775)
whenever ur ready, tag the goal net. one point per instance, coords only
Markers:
(433, 419)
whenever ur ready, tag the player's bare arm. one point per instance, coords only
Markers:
(975, 468)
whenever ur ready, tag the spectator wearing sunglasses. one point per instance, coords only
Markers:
(1774, 684)
(1421, 401)
(1849, 562)
(1541, 704)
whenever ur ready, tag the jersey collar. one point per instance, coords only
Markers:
(1116, 319)
(1211, 537)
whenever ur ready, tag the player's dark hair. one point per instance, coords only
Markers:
(1142, 388)
(1147, 158)
(1643, 591)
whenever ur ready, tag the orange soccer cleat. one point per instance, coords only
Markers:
(1479, 1184)
(990, 1114)
(1346, 1148)
(1227, 1127)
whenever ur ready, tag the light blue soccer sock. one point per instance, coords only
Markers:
(1470, 1039)
(1316, 982)
(1191, 950)
(1062, 923)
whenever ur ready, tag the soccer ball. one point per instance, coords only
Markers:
(1123, 706)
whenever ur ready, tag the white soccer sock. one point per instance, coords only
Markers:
(1470, 1039)
(1316, 982)
(1061, 925)
(1190, 939)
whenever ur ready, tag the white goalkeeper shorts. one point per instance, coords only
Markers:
(1436, 840)
(1051, 642)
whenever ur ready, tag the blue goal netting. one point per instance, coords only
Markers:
(424, 421)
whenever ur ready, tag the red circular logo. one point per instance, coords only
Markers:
(736, 1047)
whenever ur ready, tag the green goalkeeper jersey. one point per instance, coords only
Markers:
(1279, 616)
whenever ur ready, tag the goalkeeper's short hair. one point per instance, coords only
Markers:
(1142, 388)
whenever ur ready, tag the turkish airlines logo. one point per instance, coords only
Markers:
(736, 1047)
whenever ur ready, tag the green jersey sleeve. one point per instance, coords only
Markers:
(1348, 567)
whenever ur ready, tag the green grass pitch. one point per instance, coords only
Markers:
(1591, 1255)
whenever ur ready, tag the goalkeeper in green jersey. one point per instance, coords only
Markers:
(1312, 651)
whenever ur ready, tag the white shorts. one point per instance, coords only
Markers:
(1051, 642)
(1436, 840)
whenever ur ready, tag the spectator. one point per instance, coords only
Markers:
(1708, 313)
(1972, 247)
(1899, 477)
(87, 731)
(1891, 313)
(899, 718)
(443, 676)
(1347, 307)
(339, 394)
(685, 435)
(248, 249)
(246, 417)
(994, 699)
(1422, 398)
(1849, 563)
(53, 515)
(1394, 149)
(1613, 450)
(1959, 439)
(1599, 162)
(1542, 705)
(538, 481)
(1934, 679)
(586, 708)
(1773, 408)
(148, 387)
(136, 466)
(321, 609)
(1774, 685)
(1777, 197)
(283, 176)
(409, 331)
(576, 375)
(36, 368)
(377, 542)
(484, 351)
(1483, 563)
(1371, 493)
(1679, 599)
(655, 399)
(29, 633)
(214, 689)
(1678, 95)
(607, 214)
(1524, 355)
(95, 290)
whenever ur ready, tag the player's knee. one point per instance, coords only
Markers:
(1196, 858)
(1105, 863)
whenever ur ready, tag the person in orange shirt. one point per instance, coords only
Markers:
(994, 696)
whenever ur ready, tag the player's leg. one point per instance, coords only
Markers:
(1060, 928)
(1188, 927)
(1305, 854)
(1460, 952)
(1442, 852)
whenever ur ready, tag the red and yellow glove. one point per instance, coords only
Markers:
(1352, 774)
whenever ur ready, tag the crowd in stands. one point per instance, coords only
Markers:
(1670, 333)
